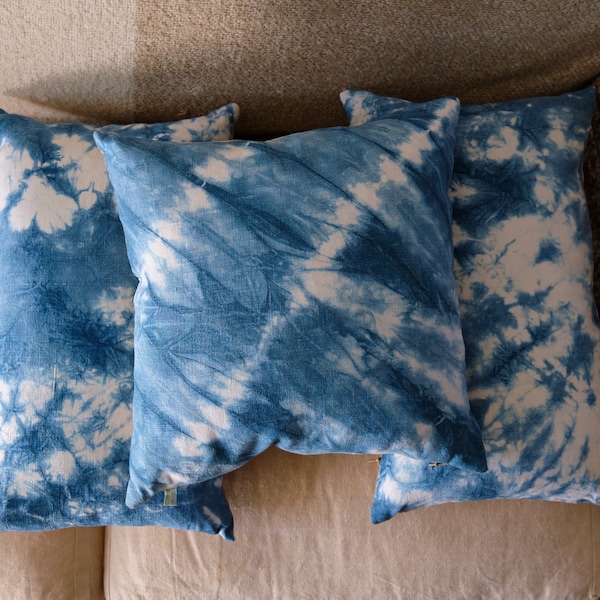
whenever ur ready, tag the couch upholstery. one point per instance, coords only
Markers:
(302, 523)
(291, 547)
(62, 564)
(284, 63)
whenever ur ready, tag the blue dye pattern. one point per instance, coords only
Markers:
(66, 334)
(296, 292)
(524, 271)
(549, 251)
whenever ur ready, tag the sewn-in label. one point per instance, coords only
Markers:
(171, 497)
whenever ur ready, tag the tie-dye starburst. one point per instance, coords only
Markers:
(524, 272)
(66, 334)
(296, 292)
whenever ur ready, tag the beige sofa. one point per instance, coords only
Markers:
(302, 523)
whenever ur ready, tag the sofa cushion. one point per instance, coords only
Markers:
(296, 292)
(66, 333)
(524, 269)
(310, 537)
(67, 564)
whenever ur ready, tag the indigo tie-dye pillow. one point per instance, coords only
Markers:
(66, 334)
(524, 271)
(296, 292)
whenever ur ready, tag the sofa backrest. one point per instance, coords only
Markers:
(283, 61)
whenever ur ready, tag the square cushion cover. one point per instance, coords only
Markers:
(296, 292)
(66, 333)
(524, 271)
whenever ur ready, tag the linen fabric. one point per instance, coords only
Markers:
(316, 516)
(66, 333)
(296, 292)
(524, 270)
(65, 564)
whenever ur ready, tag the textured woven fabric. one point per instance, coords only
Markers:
(296, 292)
(67, 564)
(316, 518)
(66, 333)
(284, 62)
(429, 47)
(523, 259)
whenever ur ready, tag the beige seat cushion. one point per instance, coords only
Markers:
(66, 564)
(303, 532)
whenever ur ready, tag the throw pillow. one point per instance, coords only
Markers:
(296, 292)
(524, 270)
(66, 334)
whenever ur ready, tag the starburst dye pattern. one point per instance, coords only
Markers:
(66, 334)
(524, 271)
(296, 292)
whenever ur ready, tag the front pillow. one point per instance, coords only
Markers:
(524, 270)
(296, 292)
(66, 334)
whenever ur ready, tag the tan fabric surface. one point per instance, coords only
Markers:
(285, 62)
(68, 60)
(303, 532)
(56, 565)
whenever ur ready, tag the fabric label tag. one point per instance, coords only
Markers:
(171, 497)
